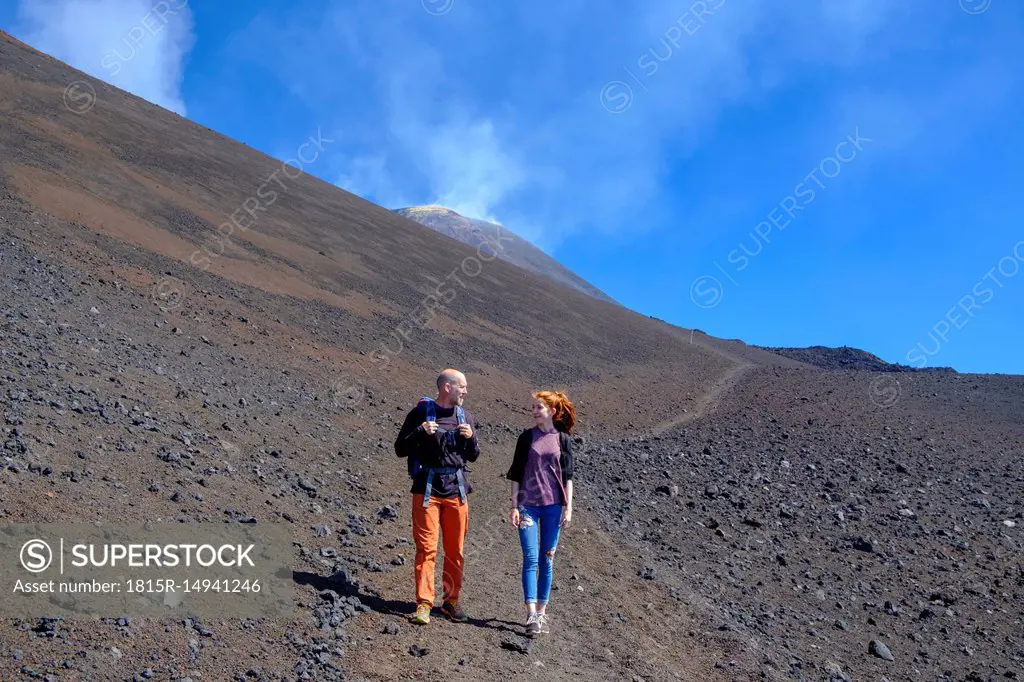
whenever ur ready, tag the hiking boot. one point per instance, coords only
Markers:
(454, 611)
(422, 615)
(545, 627)
(533, 625)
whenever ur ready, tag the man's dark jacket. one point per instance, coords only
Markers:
(435, 451)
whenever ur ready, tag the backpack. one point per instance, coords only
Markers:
(414, 465)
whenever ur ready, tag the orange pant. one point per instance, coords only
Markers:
(452, 518)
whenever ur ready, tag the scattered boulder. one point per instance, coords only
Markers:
(518, 645)
(879, 649)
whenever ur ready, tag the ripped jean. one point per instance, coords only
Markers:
(538, 563)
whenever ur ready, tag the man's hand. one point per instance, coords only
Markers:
(429, 427)
(465, 430)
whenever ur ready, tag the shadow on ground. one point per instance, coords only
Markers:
(341, 584)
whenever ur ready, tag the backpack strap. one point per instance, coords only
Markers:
(460, 416)
(431, 406)
(414, 466)
(459, 477)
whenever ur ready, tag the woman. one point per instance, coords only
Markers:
(541, 476)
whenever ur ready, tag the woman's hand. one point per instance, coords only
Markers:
(514, 517)
(566, 517)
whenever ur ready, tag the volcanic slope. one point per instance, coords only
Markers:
(740, 515)
(276, 359)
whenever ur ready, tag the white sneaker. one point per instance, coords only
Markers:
(532, 625)
(545, 628)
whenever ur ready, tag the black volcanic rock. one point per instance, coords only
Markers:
(845, 357)
(879, 649)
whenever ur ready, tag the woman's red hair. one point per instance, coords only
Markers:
(565, 411)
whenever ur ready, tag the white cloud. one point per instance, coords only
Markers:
(136, 45)
(470, 170)
(412, 140)
(494, 110)
(368, 176)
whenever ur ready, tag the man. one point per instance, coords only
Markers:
(439, 437)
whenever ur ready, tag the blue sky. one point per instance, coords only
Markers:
(665, 152)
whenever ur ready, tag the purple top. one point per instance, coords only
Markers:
(542, 478)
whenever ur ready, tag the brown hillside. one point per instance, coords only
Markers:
(740, 515)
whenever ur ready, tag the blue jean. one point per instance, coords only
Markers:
(538, 561)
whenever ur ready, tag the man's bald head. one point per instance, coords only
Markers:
(449, 376)
(451, 387)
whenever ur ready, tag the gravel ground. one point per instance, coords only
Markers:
(741, 515)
